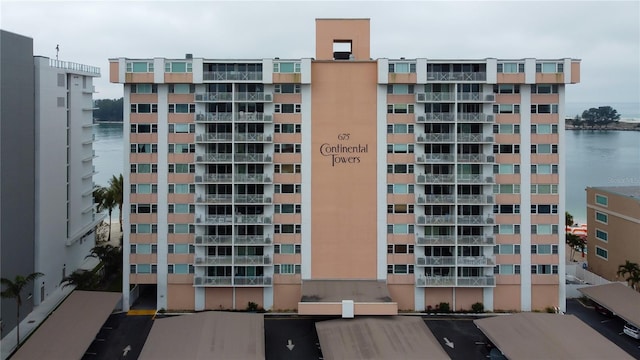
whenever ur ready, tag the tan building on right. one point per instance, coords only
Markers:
(613, 225)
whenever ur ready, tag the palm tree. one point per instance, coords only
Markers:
(568, 219)
(13, 290)
(110, 256)
(108, 201)
(116, 184)
(575, 242)
(82, 279)
(630, 272)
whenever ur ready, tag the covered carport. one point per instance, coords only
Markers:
(547, 336)
(391, 337)
(69, 331)
(618, 298)
(207, 335)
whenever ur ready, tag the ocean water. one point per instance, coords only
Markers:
(594, 158)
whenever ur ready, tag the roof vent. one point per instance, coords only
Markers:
(189, 56)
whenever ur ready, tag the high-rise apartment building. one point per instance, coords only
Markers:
(47, 213)
(389, 183)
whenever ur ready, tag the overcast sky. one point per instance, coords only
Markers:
(604, 35)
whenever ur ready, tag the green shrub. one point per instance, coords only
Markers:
(251, 306)
(477, 307)
(443, 307)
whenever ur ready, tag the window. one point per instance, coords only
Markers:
(144, 88)
(400, 169)
(544, 169)
(510, 68)
(544, 269)
(400, 129)
(506, 89)
(180, 269)
(402, 68)
(400, 108)
(544, 149)
(544, 209)
(144, 168)
(506, 229)
(182, 188)
(144, 208)
(400, 148)
(287, 269)
(182, 148)
(602, 253)
(287, 128)
(144, 148)
(287, 229)
(400, 189)
(287, 168)
(182, 108)
(506, 249)
(144, 108)
(182, 128)
(140, 66)
(181, 248)
(287, 108)
(287, 248)
(178, 67)
(181, 229)
(602, 200)
(549, 67)
(602, 235)
(506, 129)
(144, 188)
(287, 148)
(544, 129)
(544, 108)
(144, 128)
(287, 188)
(400, 89)
(506, 209)
(287, 208)
(507, 269)
(506, 169)
(400, 269)
(506, 109)
(144, 248)
(544, 89)
(506, 189)
(182, 208)
(182, 88)
(400, 209)
(143, 268)
(400, 229)
(506, 149)
(602, 217)
(544, 229)
(287, 88)
(286, 67)
(400, 249)
(542, 249)
(544, 189)
(182, 168)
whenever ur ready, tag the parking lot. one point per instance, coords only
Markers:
(121, 337)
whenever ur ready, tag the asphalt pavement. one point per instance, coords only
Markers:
(121, 337)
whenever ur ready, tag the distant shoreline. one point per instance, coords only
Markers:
(619, 126)
(108, 121)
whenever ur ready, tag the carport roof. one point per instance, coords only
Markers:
(617, 298)
(338, 290)
(393, 337)
(69, 331)
(207, 335)
(547, 336)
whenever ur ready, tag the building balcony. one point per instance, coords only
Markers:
(214, 220)
(253, 178)
(232, 75)
(456, 76)
(252, 260)
(435, 158)
(435, 138)
(232, 281)
(253, 199)
(254, 117)
(435, 178)
(435, 117)
(476, 158)
(213, 178)
(435, 97)
(456, 260)
(435, 219)
(475, 220)
(252, 219)
(214, 97)
(212, 281)
(435, 240)
(214, 117)
(435, 199)
(450, 281)
(475, 199)
(475, 97)
(214, 198)
(229, 240)
(480, 240)
(253, 158)
(476, 117)
(254, 96)
(214, 157)
(474, 138)
(214, 239)
(252, 240)
(253, 137)
(214, 260)
(474, 179)
(209, 137)
(435, 281)
(252, 281)
(481, 281)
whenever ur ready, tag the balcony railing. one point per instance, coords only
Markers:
(232, 75)
(214, 157)
(475, 117)
(253, 178)
(453, 260)
(252, 260)
(252, 219)
(475, 240)
(252, 199)
(214, 260)
(476, 281)
(229, 281)
(475, 219)
(253, 158)
(252, 240)
(435, 178)
(214, 219)
(431, 158)
(435, 199)
(435, 138)
(435, 97)
(213, 239)
(206, 178)
(214, 96)
(434, 117)
(252, 280)
(474, 179)
(254, 96)
(476, 260)
(214, 198)
(435, 240)
(253, 117)
(475, 199)
(456, 76)
(474, 138)
(435, 280)
(212, 281)
(259, 137)
(436, 261)
(214, 117)
(214, 137)
(435, 219)
(476, 158)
